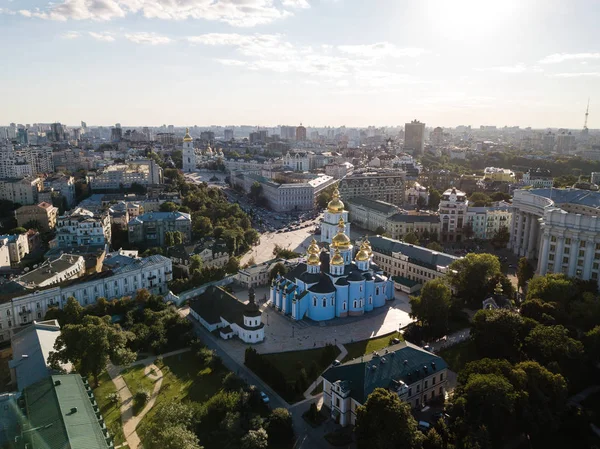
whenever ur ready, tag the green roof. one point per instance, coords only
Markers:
(416, 254)
(402, 362)
(51, 404)
(405, 281)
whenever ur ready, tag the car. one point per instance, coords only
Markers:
(440, 415)
(336, 363)
(424, 426)
(396, 341)
(264, 397)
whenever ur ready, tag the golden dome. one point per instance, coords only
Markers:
(337, 258)
(335, 205)
(314, 247)
(313, 259)
(363, 254)
(340, 240)
(367, 245)
(187, 137)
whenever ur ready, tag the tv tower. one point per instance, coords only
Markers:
(587, 113)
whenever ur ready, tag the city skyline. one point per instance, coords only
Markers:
(320, 63)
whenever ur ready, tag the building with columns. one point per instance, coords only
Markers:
(558, 228)
(336, 282)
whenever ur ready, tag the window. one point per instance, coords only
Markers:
(355, 303)
(565, 260)
(432, 394)
(337, 402)
(426, 382)
(441, 390)
(37, 305)
(566, 250)
(410, 391)
(332, 300)
(377, 291)
(344, 306)
(9, 323)
(550, 256)
(567, 241)
(582, 244)
(433, 380)
(418, 388)
(581, 253)
(315, 301)
(370, 300)
(8, 313)
(417, 402)
(441, 377)
(360, 303)
(39, 315)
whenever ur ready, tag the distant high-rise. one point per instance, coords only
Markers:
(548, 141)
(300, 133)
(84, 125)
(116, 134)
(57, 132)
(228, 134)
(288, 132)
(22, 136)
(207, 136)
(437, 137)
(565, 142)
(414, 137)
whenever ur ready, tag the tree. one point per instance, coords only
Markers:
(19, 230)
(411, 238)
(542, 312)
(479, 199)
(196, 263)
(168, 206)
(432, 307)
(433, 440)
(277, 269)
(591, 342)
(177, 237)
(380, 230)
(547, 344)
(525, 272)
(233, 382)
(174, 437)
(434, 199)
(384, 421)
(498, 333)
(556, 288)
(255, 439)
(90, 344)
(280, 427)
(72, 311)
(421, 202)
(501, 238)
(232, 265)
(169, 240)
(435, 246)
(473, 277)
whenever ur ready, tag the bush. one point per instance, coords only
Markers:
(141, 398)
(113, 398)
(233, 382)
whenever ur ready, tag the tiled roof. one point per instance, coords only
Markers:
(418, 254)
(161, 216)
(573, 196)
(215, 303)
(403, 362)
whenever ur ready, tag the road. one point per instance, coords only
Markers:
(306, 436)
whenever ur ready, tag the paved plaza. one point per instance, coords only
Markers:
(284, 334)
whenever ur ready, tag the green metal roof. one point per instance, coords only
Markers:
(51, 405)
(405, 281)
(404, 361)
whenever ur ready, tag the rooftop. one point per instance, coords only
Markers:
(62, 412)
(161, 216)
(380, 206)
(403, 362)
(215, 303)
(49, 269)
(415, 218)
(572, 196)
(417, 254)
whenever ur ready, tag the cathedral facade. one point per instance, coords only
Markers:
(335, 280)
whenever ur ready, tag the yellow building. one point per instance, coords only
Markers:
(44, 213)
(494, 174)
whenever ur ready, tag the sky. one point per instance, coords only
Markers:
(317, 62)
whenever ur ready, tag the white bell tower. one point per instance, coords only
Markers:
(189, 154)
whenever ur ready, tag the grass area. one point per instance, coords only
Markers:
(359, 348)
(591, 404)
(110, 412)
(137, 381)
(459, 355)
(185, 379)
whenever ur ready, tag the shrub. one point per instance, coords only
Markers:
(141, 398)
(113, 398)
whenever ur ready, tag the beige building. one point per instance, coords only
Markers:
(23, 191)
(423, 225)
(82, 227)
(18, 247)
(370, 214)
(375, 184)
(453, 215)
(44, 213)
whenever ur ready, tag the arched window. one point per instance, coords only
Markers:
(370, 300)
(360, 288)
(314, 301)
(377, 290)
(332, 300)
(355, 303)
(8, 313)
(360, 305)
(344, 306)
(324, 302)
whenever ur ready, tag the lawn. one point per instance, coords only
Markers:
(288, 362)
(359, 348)
(110, 412)
(185, 379)
(459, 355)
(136, 380)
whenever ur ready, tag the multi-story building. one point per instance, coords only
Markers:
(437, 137)
(21, 304)
(44, 213)
(415, 375)
(25, 161)
(213, 254)
(422, 225)
(495, 174)
(339, 170)
(403, 261)
(487, 221)
(300, 133)
(82, 227)
(150, 228)
(189, 154)
(4, 254)
(383, 185)
(123, 211)
(453, 215)
(559, 228)
(370, 214)
(414, 137)
(565, 142)
(539, 178)
(18, 247)
(23, 191)
(120, 176)
(228, 134)
(40, 159)
(64, 185)
(298, 160)
(416, 194)
(51, 272)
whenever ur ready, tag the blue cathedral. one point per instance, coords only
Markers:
(334, 281)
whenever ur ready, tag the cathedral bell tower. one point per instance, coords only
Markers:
(189, 154)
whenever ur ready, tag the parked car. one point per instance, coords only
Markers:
(441, 415)
(264, 397)
(336, 363)
(424, 426)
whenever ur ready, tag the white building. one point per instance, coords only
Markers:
(17, 245)
(370, 214)
(539, 178)
(560, 228)
(487, 221)
(82, 227)
(23, 191)
(189, 154)
(119, 176)
(414, 192)
(66, 267)
(20, 305)
(453, 214)
(217, 309)
(415, 375)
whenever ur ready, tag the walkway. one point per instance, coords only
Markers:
(129, 421)
(309, 390)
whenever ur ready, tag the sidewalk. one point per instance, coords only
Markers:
(343, 354)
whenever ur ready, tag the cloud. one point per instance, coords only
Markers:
(71, 35)
(148, 38)
(517, 68)
(562, 57)
(297, 4)
(381, 50)
(103, 37)
(575, 75)
(241, 13)
(231, 62)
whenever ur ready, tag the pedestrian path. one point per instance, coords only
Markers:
(309, 390)
(128, 419)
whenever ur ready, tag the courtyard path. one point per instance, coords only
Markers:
(343, 354)
(128, 419)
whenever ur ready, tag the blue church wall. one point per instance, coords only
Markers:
(322, 306)
(369, 300)
(341, 296)
(302, 305)
(378, 295)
